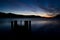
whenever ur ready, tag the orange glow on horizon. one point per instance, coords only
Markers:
(45, 15)
(48, 17)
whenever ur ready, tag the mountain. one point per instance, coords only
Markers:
(11, 15)
(58, 16)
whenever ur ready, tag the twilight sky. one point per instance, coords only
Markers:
(45, 8)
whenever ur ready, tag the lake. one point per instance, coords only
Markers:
(37, 25)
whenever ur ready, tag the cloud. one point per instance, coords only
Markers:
(51, 6)
(47, 7)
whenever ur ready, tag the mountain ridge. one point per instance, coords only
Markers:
(11, 15)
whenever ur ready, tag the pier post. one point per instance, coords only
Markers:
(15, 25)
(12, 25)
(29, 26)
(26, 25)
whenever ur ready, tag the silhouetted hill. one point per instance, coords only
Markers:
(11, 15)
(58, 16)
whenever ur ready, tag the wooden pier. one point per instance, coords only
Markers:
(21, 28)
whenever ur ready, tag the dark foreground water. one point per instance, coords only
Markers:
(38, 26)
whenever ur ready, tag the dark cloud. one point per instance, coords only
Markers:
(52, 6)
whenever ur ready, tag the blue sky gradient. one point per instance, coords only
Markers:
(31, 7)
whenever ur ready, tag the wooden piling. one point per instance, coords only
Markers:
(29, 26)
(12, 25)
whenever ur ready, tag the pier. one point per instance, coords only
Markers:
(26, 28)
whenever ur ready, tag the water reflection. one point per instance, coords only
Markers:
(36, 25)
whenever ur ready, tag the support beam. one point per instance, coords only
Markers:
(15, 25)
(12, 25)
(29, 26)
(25, 26)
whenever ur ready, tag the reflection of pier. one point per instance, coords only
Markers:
(21, 28)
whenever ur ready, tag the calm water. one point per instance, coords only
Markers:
(36, 24)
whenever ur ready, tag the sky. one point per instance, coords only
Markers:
(47, 8)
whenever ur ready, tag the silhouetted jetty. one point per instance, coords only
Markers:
(26, 28)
